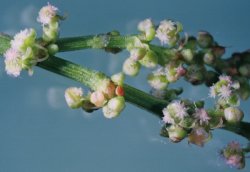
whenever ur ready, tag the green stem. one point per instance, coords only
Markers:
(89, 78)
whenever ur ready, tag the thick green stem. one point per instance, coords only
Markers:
(89, 78)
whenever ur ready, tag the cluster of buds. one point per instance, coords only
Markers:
(160, 78)
(108, 95)
(140, 54)
(233, 155)
(24, 53)
(49, 19)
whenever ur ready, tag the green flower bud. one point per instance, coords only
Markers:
(137, 53)
(98, 99)
(131, 67)
(208, 58)
(53, 49)
(114, 107)
(74, 97)
(118, 78)
(187, 54)
(176, 133)
(233, 114)
(150, 60)
(150, 34)
(205, 40)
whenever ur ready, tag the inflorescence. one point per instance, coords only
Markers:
(189, 57)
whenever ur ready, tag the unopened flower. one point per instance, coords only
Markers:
(201, 116)
(114, 107)
(158, 82)
(131, 67)
(150, 60)
(167, 32)
(199, 136)
(118, 78)
(97, 98)
(233, 114)
(204, 39)
(176, 133)
(137, 53)
(74, 97)
(47, 14)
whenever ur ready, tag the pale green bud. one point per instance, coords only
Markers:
(137, 53)
(116, 104)
(74, 97)
(187, 54)
(118, 78)
(176, 133)
(109, 113)
(233, 114)
(208, 58)
(131, 67)
(150, 60)
(53, 49)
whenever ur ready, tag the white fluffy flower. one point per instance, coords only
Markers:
(212, 92)
(46, 14)
(13, 63)
(165, 31)
(202, 116)
(225, 92)
(23, 39)
(167, 118)
(177, 109)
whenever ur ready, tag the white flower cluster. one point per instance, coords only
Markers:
(21, 54)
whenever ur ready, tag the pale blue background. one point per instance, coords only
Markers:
(38, 133)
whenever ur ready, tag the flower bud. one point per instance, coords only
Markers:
(131, 67)
(158, 82)
(53, 49)
(114, 107)
(119, 91)
(117, 104)
(118, 78)
(176, 133)
(74, 97)
(98, 99)
(208, 58)
(204, 39)
(147, 27)
(234, 100)
(187, 54)
(150, 60)
(137, 53)
(233, 114)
